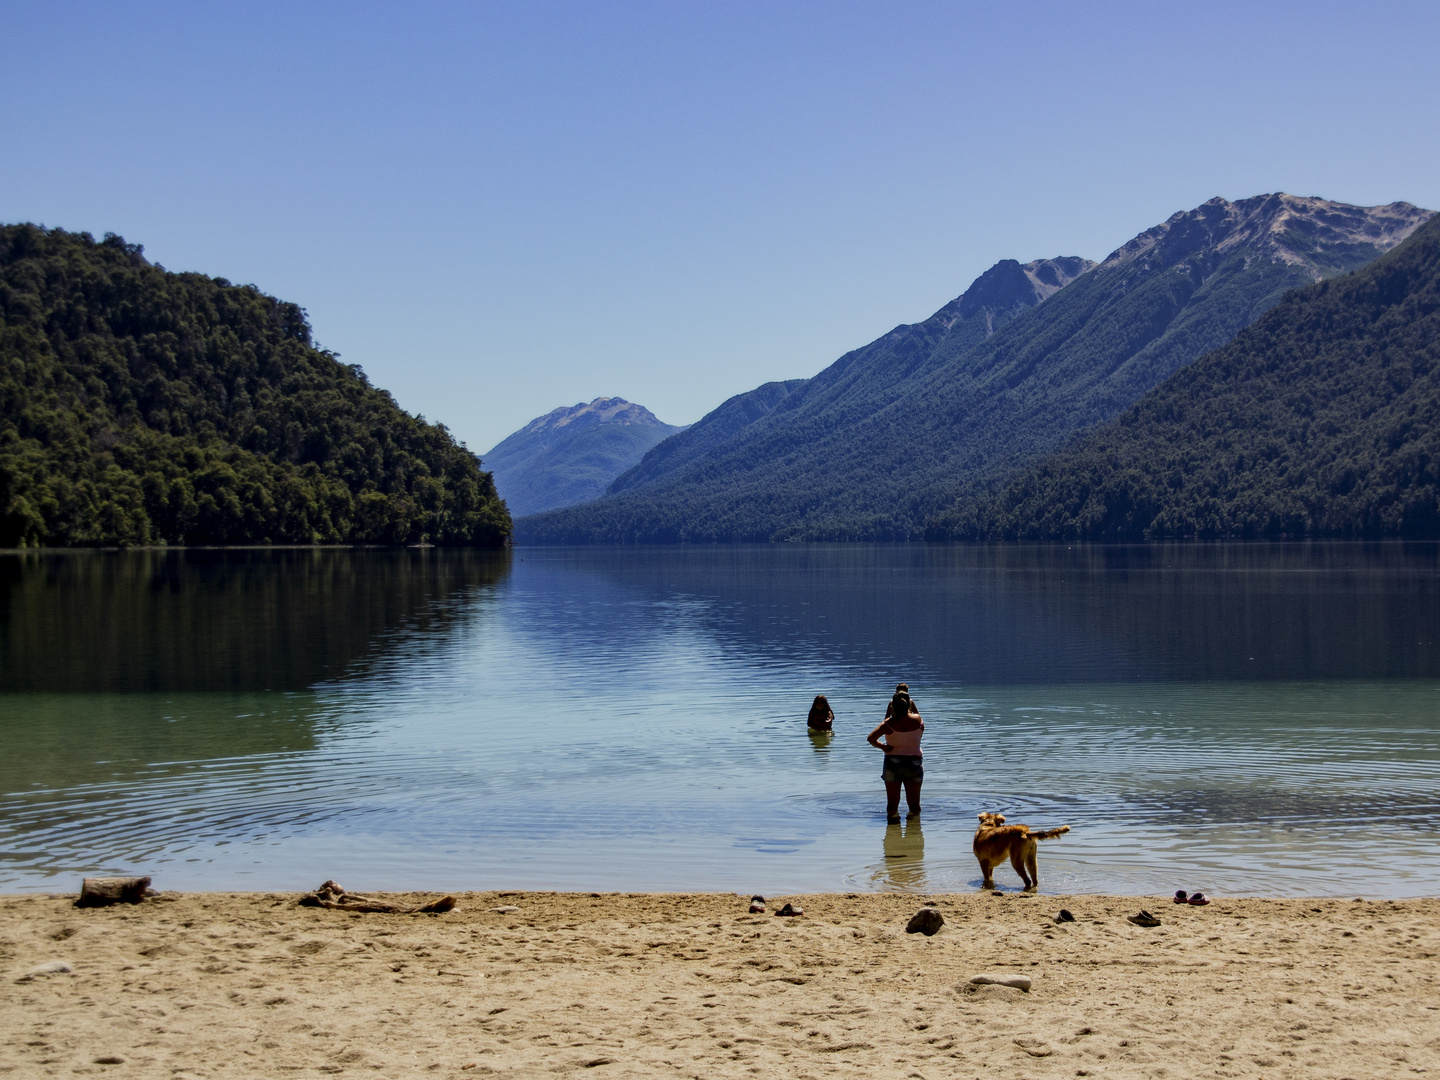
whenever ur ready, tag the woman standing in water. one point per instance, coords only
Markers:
(822, 717)
(903, 764)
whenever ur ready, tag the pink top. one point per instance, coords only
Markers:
(906, 743)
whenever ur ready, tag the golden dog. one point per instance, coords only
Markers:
(995, 842)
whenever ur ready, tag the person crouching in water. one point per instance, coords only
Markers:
(822, 717)
(904, 727)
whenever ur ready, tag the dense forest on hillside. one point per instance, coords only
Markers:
(893, 433)
(1320, 420)
(139, 406)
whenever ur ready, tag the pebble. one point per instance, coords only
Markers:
(925, 921)
(508, 909)
(1019, 982)
(54, 967)
(110, 1059)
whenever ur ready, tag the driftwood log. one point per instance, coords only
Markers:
(333, 895)
(104, 891)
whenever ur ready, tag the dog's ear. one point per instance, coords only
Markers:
(999, 818)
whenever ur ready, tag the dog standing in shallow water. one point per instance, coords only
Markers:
(995, 842)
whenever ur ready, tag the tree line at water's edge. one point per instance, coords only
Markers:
(140, 406)
(1322, 419)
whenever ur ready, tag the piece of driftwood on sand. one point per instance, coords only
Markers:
(333, 895)
(104, 891)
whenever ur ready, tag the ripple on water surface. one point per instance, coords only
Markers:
(636, 721)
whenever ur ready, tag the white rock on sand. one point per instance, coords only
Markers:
(683, 985)
(54, 967)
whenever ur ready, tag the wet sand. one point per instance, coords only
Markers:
(667, 985)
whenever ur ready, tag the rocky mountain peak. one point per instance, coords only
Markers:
(1010, 285)
(1049, 276)
(1319, 235)
(603, 410)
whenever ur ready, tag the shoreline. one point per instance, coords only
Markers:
(690, 984)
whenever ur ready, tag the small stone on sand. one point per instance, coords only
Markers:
(508, 909)
(926, 921)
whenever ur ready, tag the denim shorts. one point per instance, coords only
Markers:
(901, 767)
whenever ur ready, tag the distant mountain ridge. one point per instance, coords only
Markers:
(712, 430)
(1322, 419)
(603, 410)
(893, 433)
(1325, 237)
(845, 389)
(572, 454)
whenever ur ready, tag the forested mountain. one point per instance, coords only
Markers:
(893, 433)
(138, 406)
(571, 455)
(735, 436)
(1322, 419)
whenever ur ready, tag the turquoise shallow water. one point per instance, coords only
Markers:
(1234, 719)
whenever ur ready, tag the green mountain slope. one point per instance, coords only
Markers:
(139, 406)
(1322, 419)
(695, 486)
(707, 434)
(572, 455)
(895, 432)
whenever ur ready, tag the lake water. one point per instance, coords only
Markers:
(1257, 719)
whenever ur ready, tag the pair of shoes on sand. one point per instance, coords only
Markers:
(757, 907)
(1198, 899)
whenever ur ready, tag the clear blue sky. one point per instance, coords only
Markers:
(502, 208)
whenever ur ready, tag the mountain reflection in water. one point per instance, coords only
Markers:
(1225, 717)
(1003, 615)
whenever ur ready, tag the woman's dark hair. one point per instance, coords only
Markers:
(821, 709)
(899, 705)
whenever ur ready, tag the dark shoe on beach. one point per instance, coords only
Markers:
(1143, 919)
(790, 909)
(1064, 916)
(1198, 899)
(757, 905)
(1180, 897)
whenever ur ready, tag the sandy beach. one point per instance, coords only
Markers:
(690, 985)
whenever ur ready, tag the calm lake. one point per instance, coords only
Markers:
(1258, 719)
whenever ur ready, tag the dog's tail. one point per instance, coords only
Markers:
(1051, 834)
